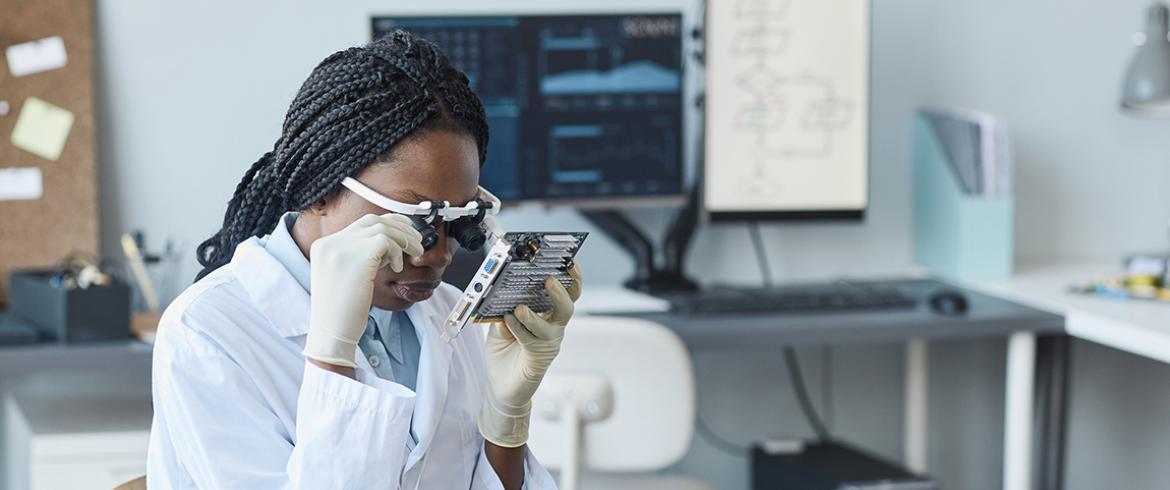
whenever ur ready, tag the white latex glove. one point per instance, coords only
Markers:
(342, 269)
(517, 355)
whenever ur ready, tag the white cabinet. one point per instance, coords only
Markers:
(74, 436)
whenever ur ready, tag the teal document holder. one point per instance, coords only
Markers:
(956, 235)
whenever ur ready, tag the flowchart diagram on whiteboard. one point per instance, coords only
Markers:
(787, 105)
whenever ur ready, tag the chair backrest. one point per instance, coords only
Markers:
(650, 372)
(135, 484)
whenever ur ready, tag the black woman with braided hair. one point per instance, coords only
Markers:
(307, 354)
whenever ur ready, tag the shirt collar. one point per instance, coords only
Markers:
(282, 247)
(389, 329)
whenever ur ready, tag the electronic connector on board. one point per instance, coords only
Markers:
(513, 274)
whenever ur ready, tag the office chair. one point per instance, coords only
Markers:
(617, 405)
(135, 484)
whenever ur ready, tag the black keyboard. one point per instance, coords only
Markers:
(826, 297)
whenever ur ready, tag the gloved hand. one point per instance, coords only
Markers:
(517, 355)
(342, 269)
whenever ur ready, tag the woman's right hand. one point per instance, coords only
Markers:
(342, 269)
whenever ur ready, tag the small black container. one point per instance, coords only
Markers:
(70, 315)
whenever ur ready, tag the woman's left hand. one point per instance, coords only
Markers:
(518, 354)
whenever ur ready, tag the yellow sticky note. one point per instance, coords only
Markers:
(42, 128)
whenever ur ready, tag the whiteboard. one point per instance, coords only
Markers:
(787, 107)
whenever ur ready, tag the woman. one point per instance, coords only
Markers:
(260, 384)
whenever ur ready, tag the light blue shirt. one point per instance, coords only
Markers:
(389, 343)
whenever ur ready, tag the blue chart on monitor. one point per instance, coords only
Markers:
(636, 77)
(579, 106)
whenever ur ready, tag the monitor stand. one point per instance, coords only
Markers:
(671, 277)
(649, 277)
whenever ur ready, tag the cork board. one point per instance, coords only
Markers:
(38, 232)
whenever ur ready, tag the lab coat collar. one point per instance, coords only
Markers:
(272, 287)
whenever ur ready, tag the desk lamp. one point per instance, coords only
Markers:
(1147, 81)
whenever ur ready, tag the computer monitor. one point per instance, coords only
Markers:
(583, 109)
(787, 110)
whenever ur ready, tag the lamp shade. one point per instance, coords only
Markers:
(1147, 81)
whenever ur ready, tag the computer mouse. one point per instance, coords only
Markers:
(949, 302)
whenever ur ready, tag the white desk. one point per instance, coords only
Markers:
(1135, 326)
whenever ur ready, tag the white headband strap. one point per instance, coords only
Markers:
(448, 212)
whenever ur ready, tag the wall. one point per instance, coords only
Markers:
(191, 93)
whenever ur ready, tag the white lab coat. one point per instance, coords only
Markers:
(237, 406)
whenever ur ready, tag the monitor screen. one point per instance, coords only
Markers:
(787, 110)
(581, 107)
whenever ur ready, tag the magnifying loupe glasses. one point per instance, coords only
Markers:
(466, 224)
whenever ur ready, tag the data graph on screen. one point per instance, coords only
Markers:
(580, 107)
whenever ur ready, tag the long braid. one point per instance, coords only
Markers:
(351, 111)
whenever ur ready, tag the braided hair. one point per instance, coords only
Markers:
(351, 111)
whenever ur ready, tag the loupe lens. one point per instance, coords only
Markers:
(430, 234)
(468, 233)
